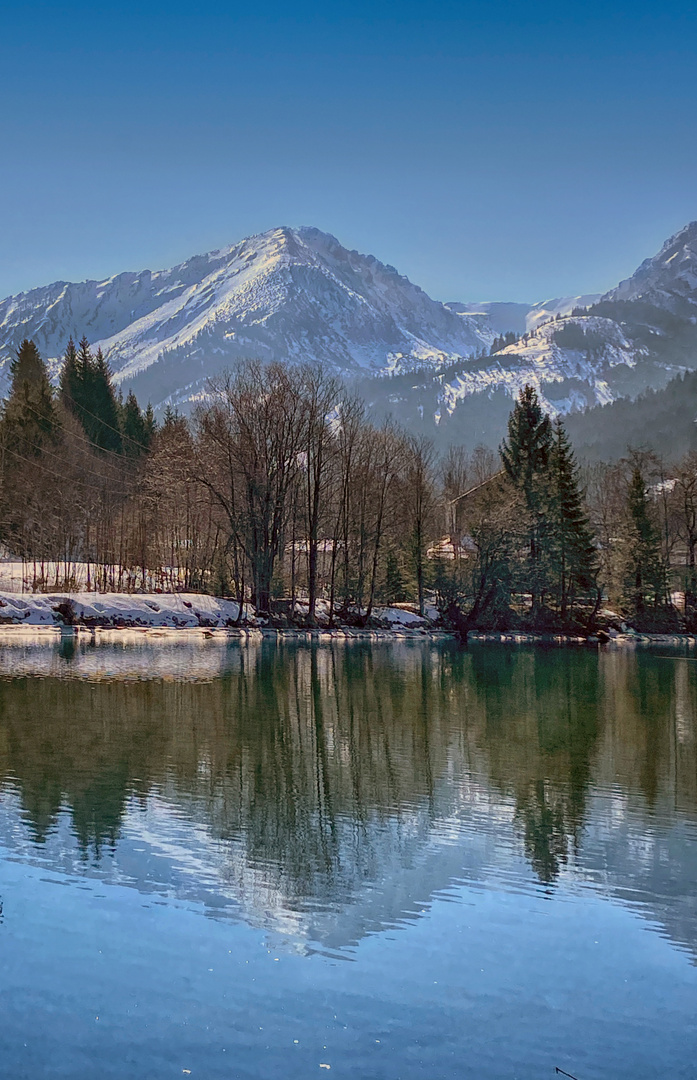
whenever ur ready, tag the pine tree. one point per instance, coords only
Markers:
(526, 458)
(133, 427)
(572, 549)
(29, 415)
(69, 382)
(87, 390)
(104, 408)
(645, 572)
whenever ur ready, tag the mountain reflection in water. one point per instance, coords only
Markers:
(330, 792)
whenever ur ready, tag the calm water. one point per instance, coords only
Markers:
(400, 861)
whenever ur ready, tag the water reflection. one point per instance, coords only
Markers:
(329, 792)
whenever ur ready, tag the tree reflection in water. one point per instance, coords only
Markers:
(326, 766)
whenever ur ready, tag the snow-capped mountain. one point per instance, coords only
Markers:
(297, 294)
(569, 362)
(635, 338)
(669, 279)
(288, 294)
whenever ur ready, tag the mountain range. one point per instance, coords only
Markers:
(298, 294)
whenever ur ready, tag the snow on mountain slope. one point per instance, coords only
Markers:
(545, 310)
(501, 316)
(566, 376)
(636, 337)
(297, 294)
(669, 279)
(288, 294)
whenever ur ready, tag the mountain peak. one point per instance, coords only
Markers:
(668, 279)
(287, 294)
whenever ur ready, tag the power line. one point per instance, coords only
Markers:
(85, 439)
(477, 487)
(61, 476)
(110, 426)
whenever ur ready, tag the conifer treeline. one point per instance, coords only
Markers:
(278, 486)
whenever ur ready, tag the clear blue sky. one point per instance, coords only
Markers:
(488, 150)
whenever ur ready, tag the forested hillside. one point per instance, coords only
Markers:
(664, 421)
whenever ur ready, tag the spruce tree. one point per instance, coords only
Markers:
(29, 415)
(133, 427)
(526, 458)
(76, 381)
(104, 408)
(170, 418)
(150, 426)
(572, 548)
(645, 584)
(69, 382)
(27, 369)
(87, 390)
(28, 431)
(395, 589)
(526, 452)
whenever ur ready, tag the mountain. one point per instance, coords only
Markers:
(578, 355)
(668, 280)
(498, 315)
(545, 310)
(287, 294)
(660, 420)
(298, 294)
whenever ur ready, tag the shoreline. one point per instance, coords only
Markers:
(87, 634)
(199, 616)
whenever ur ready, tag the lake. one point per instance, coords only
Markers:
(390, 861)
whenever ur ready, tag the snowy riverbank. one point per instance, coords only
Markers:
(180, 615)
(185, 611)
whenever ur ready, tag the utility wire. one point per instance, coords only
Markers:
(87, 412)
(88, 442)
(477, 487)
(61, 476)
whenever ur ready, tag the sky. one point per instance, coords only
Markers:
(488, 150)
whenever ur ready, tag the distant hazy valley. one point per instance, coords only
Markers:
(298, 295)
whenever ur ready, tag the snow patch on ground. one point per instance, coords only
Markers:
(398, 616)
(175, 610)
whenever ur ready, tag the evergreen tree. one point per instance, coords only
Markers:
(133, 427)
(69, 382)
(103, 407)
(87, 390)
(27, 369)
(171, 417)
(526, 452)
(572, 549)
(28, 430)
(395, 588)
(645, 585)
(526, 459)
(29, 415)
(150, 426)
